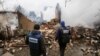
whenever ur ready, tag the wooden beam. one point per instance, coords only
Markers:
(3, 12)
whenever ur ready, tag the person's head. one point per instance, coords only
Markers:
(36, 27)
(62, 23)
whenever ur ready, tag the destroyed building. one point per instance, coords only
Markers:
(58, 12)
(12, 21)
(28, 19)
(8, 18)
(15, 19)
(24, 22)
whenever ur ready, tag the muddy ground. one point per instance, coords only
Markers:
(74, 50)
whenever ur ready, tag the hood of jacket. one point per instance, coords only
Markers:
(36, 32)
(62, 23)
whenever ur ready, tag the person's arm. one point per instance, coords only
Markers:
(27, 39)
(57, 34)
(70, 35)
(43, 48)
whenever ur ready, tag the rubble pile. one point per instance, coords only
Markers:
(89, 38)
(48, 31)
(83, 36)
(14, 45)
(80, 36)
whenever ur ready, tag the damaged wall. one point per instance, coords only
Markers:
(25, 23)
(9, 19)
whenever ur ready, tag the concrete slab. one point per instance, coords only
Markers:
(1, 51)
(7, 54)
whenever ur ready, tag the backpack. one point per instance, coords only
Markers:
(65, 35)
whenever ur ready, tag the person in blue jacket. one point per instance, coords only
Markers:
(36, 42)
(63, 36)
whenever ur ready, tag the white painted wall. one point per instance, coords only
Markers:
(9, 19)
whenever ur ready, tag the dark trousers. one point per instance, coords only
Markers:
(62, 51)
(62, 47)
(34, 52)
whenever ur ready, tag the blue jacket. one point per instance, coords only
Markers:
(36, 42)
(35, 39)
(59, 33)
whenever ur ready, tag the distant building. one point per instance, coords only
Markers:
(18, 17)
(15, 19)
(27, 20)
(58, 12)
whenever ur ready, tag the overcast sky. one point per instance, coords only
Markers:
(47, 7)
(76, 12)
(81, 12)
